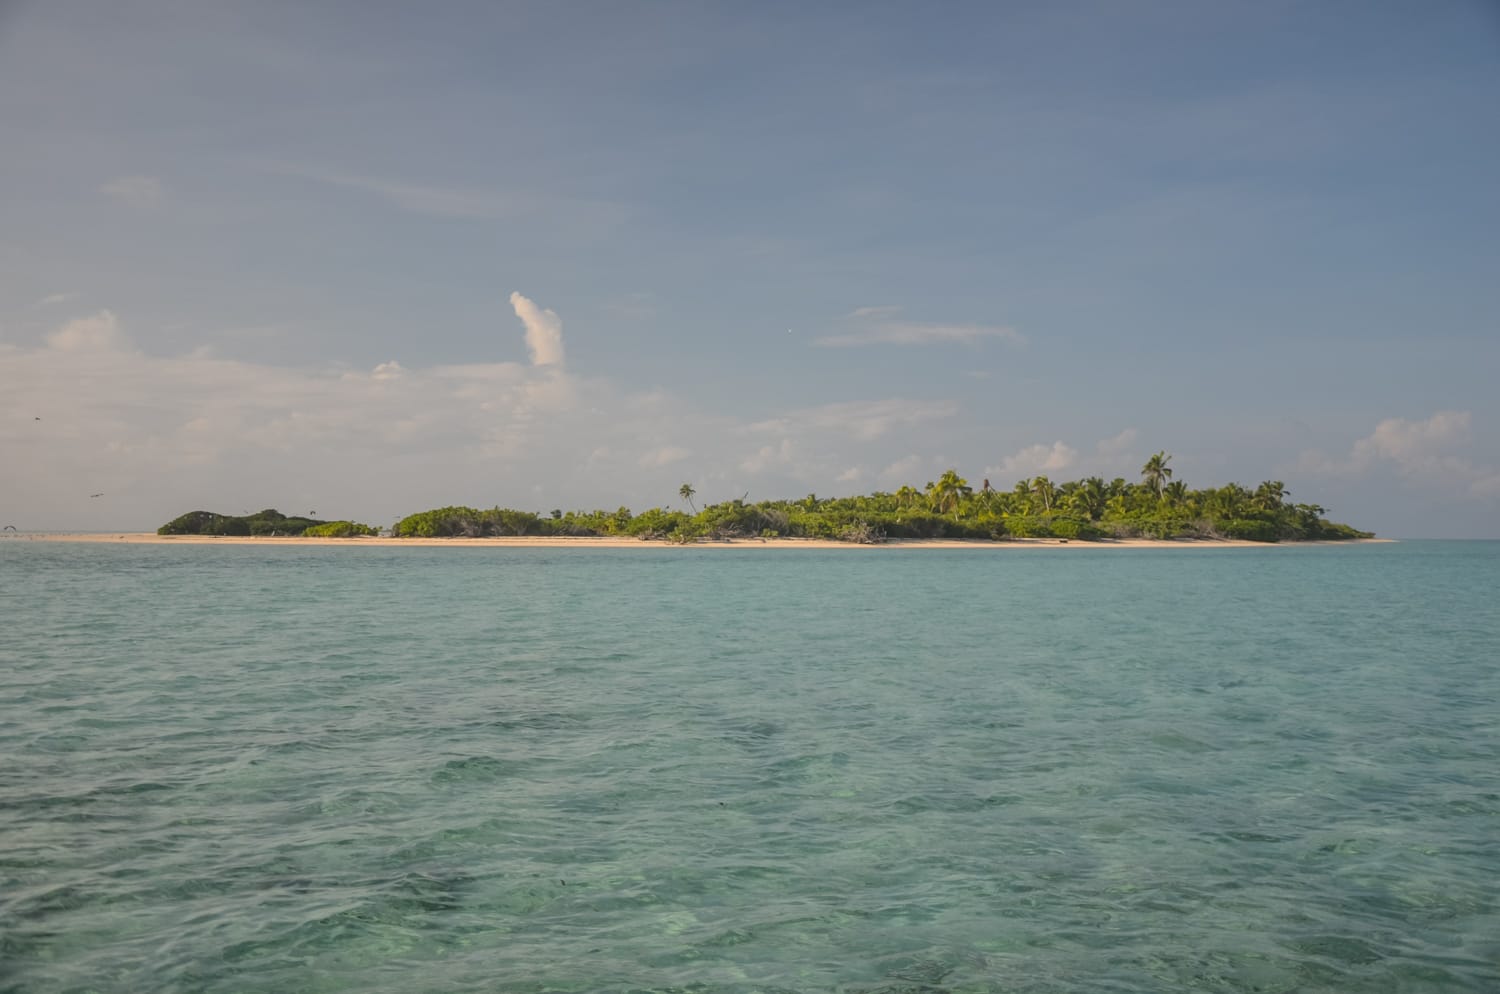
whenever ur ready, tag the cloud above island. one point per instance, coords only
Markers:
(543, 331)
(91, 411)
(1421, 450)
(879, 326)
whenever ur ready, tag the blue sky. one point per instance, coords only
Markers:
(367, 259)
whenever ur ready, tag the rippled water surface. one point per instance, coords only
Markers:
(914, 772)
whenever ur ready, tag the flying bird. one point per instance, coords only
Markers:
(95, 495)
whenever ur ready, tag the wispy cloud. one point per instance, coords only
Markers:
(139, 192)
(637, 306)
(543, 331)
(420, 199)
(863, 420)
(458, 201)
(53, 299)
(861, 313)
(900, 333)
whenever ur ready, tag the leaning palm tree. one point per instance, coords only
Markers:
(1156, 472)
(1044, 491)
(686, 492)
(949, 491)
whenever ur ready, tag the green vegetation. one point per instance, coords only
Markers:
(340, 529)
(268, 522)
(1082, 510)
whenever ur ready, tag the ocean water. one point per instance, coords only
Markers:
(318, 769)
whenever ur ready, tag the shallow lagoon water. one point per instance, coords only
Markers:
(914, 772)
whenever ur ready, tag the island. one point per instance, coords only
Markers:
(1088, 510)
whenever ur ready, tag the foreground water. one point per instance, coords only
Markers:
(408, 770)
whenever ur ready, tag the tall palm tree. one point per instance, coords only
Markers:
(1156, 472)
(949, 491)
(1045, 492)
(686, 492)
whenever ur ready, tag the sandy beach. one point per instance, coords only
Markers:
(587, 542)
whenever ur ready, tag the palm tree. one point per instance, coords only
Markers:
(1021, 497)
(686, 492)
(1045, 492)
(1090, 498)
(949, 490)
(1156, 472)
(1226, 502)
(1269, 495)
(1175, 493)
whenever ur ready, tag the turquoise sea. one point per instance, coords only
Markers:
(245, 769)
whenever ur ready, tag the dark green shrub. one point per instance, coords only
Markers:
(1248, 529)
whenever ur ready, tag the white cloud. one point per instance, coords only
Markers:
(921, 334)
(543, 331)
(1119, 445)
(872, 312)
(54, 298)
(664, 456)
(1408, 442)
(165, 434)
(141, 192)
(99, 332)
(1035, 459)
(768, 456)
(902, 471)
(1420, 450)
(864, 420)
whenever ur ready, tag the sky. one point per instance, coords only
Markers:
(368, 258)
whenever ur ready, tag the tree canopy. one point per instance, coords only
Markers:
(1087, 509)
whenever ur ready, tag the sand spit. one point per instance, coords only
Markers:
(575, 542)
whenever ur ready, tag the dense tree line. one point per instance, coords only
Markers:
(269, 522)
(1156, 506)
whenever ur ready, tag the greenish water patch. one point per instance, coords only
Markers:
(533, 770)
